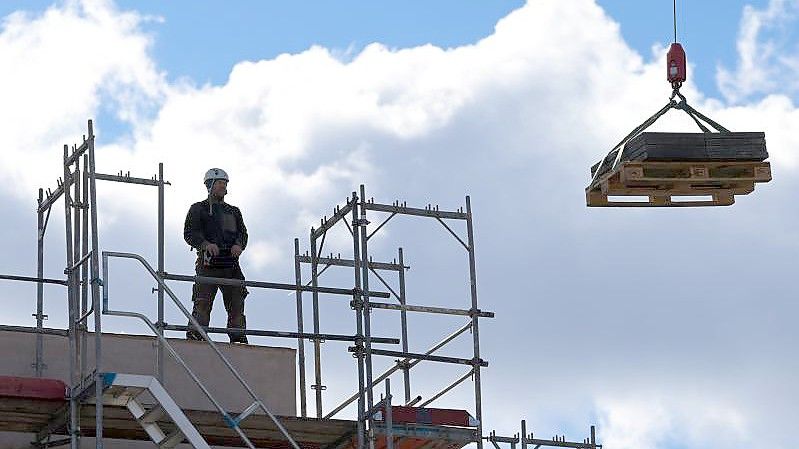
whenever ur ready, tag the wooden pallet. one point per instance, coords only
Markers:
(677, 184)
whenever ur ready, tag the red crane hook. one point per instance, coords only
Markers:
(675, 65)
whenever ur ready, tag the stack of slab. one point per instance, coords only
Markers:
(662, 167)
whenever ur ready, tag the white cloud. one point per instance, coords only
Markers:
(649, 420)
(58, 67)
(768, 53)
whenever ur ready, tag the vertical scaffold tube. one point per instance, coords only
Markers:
(389, 419)
(524, 434)
(478, 401)
(40, 287)
(366, 311)
(159, 362)
(317, 347)
(73, 348)
(358, 306)
(300, 340)
(80, 328)
(95, 287)
(406, 372)
(84, 287)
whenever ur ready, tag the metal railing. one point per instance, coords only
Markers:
(233, 422)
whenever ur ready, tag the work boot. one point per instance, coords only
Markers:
(239, 322)
(201, 313)
(192, 334)
(240, 339)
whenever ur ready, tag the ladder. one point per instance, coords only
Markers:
(232, 422)
(126, 389)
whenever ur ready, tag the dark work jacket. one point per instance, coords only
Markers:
(221, 225)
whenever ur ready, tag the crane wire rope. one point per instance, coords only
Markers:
(683, 105)
(674, 15)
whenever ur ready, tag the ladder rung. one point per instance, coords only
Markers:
(248, 411)
(138, 411)
(132, 391)
(153, 415)
(171, 440)
(117, 391)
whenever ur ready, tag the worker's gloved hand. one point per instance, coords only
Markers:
(212, 249)
(235, 251)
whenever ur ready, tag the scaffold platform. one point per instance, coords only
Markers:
(36, 405)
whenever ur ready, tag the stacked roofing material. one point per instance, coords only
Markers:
(681, 169)
(695, 147)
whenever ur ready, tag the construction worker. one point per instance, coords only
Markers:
(216, 230)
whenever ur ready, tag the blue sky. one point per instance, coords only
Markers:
(202, 41)
(637, 320)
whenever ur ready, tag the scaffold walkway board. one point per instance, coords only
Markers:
(32, 405)
(666, 183)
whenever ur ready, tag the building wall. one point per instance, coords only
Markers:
(269, 371)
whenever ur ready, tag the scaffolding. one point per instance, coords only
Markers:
(87, 277)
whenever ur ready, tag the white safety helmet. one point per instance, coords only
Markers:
(213, 175)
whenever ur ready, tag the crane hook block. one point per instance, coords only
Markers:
(675, 65)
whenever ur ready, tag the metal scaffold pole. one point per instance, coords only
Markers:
(300, 327)
(95, 290)
(160, 324)
(39, 363)
(84, 287)
(366, 311)
(73, 348)
(317, 349)
(357, 302)
(79, 326)
(406, 371)
(478, 402)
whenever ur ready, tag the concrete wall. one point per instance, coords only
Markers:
(269, 371)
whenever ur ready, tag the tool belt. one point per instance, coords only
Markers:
(223, 260)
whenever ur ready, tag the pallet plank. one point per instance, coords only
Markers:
(662, 183)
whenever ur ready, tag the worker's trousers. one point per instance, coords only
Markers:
(232, 295)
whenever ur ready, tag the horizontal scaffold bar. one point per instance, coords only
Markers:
(428, 309)
(282, 334)
(428, 357)
(35, 330)
(10, 277)
(500, 439)
(269, 285)
(404, 210)
(554, 443)
(337, 261)
(52, 197)
(429, 432)
(128, 179)
(330, 222)
(77, 153)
